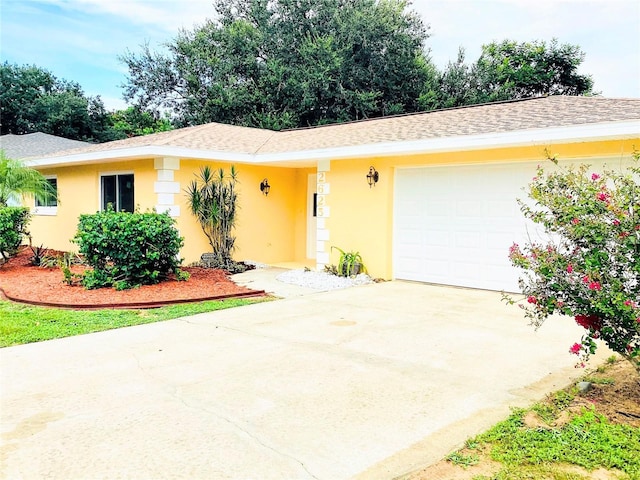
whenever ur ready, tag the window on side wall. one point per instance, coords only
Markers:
(50, 205)
(117, 189)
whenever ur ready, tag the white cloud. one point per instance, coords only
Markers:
(111, 103)
(166, 15)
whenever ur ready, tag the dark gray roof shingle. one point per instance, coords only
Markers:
(36, 144)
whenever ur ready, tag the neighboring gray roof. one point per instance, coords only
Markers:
(36, 144)
(492, 119)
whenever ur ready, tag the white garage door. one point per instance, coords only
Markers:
(454, 225)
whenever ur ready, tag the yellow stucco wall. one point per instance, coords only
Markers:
(361, 218)
(269, 229)
(79, 192)
(273, 229)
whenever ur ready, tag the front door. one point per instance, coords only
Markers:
(311, 217)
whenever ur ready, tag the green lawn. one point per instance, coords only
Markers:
(26, 324)
(584, 441)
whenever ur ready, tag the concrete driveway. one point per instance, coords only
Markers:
(368, 382)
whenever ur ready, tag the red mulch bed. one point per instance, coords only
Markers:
(20, 281)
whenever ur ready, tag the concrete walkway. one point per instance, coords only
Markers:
(369, 382)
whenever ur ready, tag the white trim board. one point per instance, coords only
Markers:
(527, 137)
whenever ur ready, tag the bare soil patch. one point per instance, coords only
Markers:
(21, 281)
(617, 398)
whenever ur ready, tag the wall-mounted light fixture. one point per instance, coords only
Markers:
(265, 187)
(372, 177)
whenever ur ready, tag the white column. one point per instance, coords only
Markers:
(165, 187)
(323, 249)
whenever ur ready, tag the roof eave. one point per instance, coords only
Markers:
(530, 137)
(133, 153)
(520, 138)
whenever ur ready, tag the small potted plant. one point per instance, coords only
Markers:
(350, 263)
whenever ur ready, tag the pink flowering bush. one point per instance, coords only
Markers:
(590, 267)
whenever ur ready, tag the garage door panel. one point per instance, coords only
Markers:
(411, 236)
(412, 268)
(437, 209)
(437, 239)
(469, 209)
(469, 240)
(439, 269)
(468, 216)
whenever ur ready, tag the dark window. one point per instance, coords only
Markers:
(117, 190)
(50, 201)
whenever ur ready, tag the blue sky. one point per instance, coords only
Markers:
(81, 39)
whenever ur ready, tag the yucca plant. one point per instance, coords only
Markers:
(212, 199)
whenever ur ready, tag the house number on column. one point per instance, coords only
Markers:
(323, 209)
(323, 188)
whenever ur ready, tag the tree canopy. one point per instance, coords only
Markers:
(509, 70)
(280, 64)
(134, 122)
(32, 100)
(287, 63)
(295, 63)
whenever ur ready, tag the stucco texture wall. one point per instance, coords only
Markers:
(269, 229)
(79, 193)
(361, 218)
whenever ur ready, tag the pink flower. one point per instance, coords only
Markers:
(575, 348)
(595, 286)
(638, 320)
(560, 303)
(532, 299)
(575, 221)
(630, 303)
(603, 197)
(586, 279)
(569, 268)
(589, 321)
(616, 222)
(595, 176)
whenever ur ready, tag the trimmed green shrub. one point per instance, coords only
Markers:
(13, 228)
(128, 249)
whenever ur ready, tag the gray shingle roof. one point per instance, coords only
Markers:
(538, 113)
(36, 144)
(492, 118)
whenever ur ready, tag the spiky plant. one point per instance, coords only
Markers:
(212, 199)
